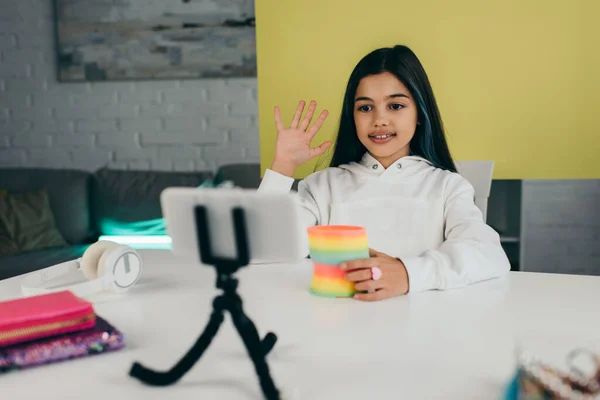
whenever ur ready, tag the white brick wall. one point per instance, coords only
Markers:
(158, 125)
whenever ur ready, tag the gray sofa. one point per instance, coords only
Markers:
(82, 202)
(244, 175)
(86, 204)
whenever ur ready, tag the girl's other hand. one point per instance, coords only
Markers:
(391, 282)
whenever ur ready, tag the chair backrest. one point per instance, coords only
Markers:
(479, 173)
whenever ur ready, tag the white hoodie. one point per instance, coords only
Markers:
(421, 214)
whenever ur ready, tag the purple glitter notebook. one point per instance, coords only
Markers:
(102, 338)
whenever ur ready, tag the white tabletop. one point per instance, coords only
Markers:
(457, 344)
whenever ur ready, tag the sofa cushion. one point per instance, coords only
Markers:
(23, 263)
(68, 193)
(245, 175)
(125, 200)
(27, 223)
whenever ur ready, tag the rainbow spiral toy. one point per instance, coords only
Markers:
(330, 245)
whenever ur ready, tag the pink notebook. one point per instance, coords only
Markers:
(101, 338)
(45, 315)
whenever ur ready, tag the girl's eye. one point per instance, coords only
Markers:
(396, 106)
(364, 108)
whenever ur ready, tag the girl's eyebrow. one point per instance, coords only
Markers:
(391, 96)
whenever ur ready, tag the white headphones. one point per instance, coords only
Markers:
(108, 266)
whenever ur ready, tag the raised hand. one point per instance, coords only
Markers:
(293, 146)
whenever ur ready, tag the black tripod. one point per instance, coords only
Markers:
(230, 301)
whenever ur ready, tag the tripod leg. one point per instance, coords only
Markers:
(268, 342)
(157, 378)
(256, 349)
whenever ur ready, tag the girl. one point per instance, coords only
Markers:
(393, 174)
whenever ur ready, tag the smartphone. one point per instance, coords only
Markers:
(273, 226)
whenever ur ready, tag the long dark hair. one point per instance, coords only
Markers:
(429, 140)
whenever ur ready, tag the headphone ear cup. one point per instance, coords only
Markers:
(91, 258)
(102, 262)
(102, 267)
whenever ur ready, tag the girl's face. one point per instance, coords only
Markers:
(385, 115)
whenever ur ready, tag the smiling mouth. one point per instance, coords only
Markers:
(382, 138)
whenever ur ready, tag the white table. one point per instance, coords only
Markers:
(457, 344)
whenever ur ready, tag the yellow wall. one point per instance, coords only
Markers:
(517, 81)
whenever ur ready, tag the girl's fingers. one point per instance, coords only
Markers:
(369, 285)
(359, 263)
(278, 122)
(317, 151)
(359, 275)
(318, 123)
(373, 296)
(309, 114)
(297, 115)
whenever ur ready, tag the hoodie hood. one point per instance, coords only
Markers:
(408, 166)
